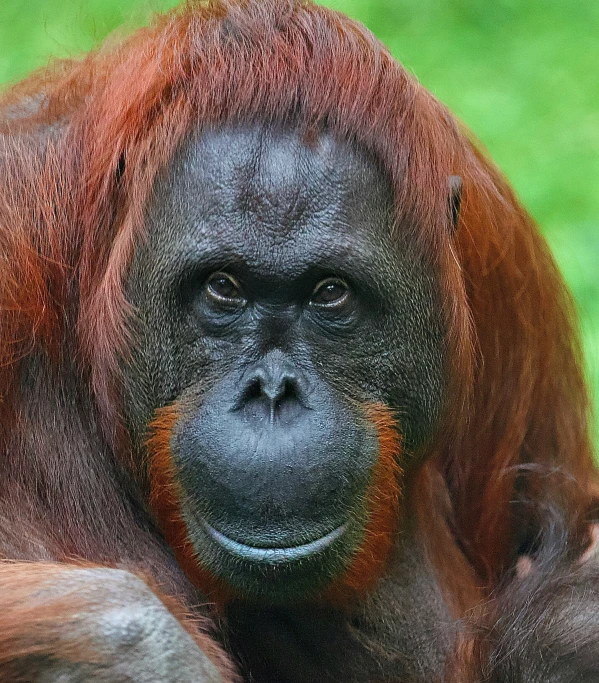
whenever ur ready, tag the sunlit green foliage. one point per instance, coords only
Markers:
(521, 73)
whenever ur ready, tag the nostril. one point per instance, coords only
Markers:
(270, 393)
(279, 391)
(253, 390)
(289, 390)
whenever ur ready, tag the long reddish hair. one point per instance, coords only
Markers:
(72, 203)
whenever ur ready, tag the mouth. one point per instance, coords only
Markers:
(273, 556)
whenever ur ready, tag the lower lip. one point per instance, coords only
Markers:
(273, 556)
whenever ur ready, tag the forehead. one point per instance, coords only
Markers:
(271, 199)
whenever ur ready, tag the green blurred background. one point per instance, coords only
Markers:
(522, 74)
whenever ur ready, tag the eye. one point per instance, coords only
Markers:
(331, 293)
(224, 290)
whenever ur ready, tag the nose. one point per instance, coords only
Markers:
(275, 388)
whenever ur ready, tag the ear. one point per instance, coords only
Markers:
(455, 198)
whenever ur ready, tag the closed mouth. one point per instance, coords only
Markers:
(273, 556)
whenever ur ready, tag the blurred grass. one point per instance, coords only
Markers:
(521, 73)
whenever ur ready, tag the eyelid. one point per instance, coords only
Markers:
(219, 297)
(335, 303)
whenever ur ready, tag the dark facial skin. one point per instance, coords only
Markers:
(273, 308)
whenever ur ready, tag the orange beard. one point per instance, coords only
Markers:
(382, 500)
(165, 497)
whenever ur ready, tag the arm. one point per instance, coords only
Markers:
(70, 624)
(543, 627)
